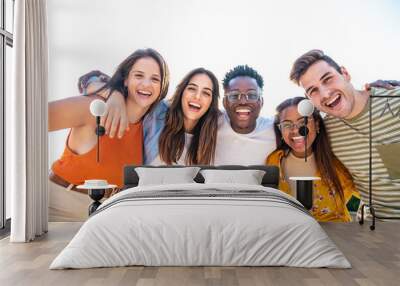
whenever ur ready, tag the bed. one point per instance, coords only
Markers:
(201, 224)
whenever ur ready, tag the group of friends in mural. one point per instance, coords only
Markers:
(189, 128)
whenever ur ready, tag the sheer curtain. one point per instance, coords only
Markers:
(27, 116)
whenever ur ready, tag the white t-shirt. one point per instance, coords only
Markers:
(244, 149)
(188, 139)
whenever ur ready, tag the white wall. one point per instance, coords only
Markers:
(268, 35)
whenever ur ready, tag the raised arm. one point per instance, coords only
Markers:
(71, 112)
(387, 84)
(92, 81)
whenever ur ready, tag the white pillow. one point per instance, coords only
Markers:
(163, 176)
(249, 177)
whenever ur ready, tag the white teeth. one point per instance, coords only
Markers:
(332, 100)
(144, 92)
(239, 110)
(196, 105)
(298, 139)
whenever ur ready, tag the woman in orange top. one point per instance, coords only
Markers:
(334, 190)
(143, 80)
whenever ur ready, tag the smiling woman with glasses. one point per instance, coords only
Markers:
(286, 125)
(336, 188)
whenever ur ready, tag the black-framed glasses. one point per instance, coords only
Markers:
(289, 125)
(235, 96)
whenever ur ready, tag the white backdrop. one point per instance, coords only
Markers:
(218, 35)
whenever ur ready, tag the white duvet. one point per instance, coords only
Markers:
(185, 230)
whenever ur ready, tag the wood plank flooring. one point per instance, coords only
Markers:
(374, 255)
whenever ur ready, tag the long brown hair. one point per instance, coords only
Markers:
(327, 162)
(172, 139)
(116, 82)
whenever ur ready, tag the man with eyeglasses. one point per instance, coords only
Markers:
(244, 138)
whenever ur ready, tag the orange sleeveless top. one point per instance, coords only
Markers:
(114, 155)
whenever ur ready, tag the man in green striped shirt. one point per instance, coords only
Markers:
(329, 88)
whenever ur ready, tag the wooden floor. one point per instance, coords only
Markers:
(374, 255)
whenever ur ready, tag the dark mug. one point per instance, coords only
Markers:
(304, 190)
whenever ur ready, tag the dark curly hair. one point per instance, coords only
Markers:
(243, 70)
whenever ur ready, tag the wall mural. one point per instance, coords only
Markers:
(136, 116)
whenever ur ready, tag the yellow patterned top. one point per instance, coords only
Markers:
(327, 204)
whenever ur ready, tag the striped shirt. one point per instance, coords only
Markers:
(350, 143)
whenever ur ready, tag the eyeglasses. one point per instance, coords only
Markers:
(289, 125)
(235, 96)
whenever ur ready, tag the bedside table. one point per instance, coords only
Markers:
(96, 190)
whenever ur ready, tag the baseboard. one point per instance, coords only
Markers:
(5, 231)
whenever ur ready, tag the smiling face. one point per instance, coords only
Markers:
(144, 82)
(290, 133)
(330, 91)
(197, 97)
(243, 113)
